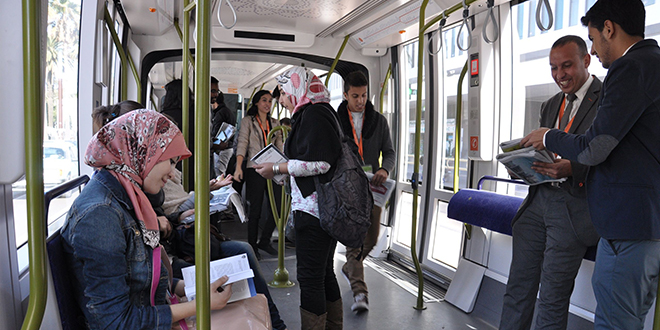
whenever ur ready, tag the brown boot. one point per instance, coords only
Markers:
(335, 318)
(311, 321)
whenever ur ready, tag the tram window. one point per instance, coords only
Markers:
(574, 13)
(60, 118)
(447, 234)
(336, 89)
(410, 113)
(559, 14)
(452, 67)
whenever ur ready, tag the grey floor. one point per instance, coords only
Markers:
(390, 306)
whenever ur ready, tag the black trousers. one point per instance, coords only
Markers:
(315, 250)
(256, 191)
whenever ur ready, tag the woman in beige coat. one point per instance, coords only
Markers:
(251, 139)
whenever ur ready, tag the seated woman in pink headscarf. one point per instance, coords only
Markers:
(111, 235)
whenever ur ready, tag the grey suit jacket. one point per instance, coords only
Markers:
(574, 185)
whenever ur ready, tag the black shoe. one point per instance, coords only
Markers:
(267, 248)
(257, 254)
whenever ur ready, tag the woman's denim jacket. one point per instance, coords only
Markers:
(111, 263)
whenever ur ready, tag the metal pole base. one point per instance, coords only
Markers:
(281, 279)
(420, 308)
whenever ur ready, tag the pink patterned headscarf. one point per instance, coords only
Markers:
(129, 148)
(302, 86)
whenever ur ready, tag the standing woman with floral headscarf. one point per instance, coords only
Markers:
(313, 147)
(111, 235)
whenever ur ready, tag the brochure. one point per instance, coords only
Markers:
(225, 133)
(519, 161)
(220, 201)
(237, 269)
(270, 154)
(383, 192)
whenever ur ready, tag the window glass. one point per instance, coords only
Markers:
(451, 71)
(60, 146)
(409, 114)
(336, 89)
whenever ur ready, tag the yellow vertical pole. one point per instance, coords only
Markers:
(202, 156)
(32, 86)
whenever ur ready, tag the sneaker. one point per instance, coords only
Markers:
(361, 303)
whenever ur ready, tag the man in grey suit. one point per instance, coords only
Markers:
(552, 229)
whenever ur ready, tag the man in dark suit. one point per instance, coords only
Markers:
(623, 149)
(552, 230)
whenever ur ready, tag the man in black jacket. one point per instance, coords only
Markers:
(371, 134)
(220, 114)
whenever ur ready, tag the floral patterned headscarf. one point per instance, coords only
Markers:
(129, 148)
(302, 86)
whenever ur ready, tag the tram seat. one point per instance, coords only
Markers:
(490, 210)
(484, 209)
(70, 314)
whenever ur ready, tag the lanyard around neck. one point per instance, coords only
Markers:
(264, 131)
(358, 142)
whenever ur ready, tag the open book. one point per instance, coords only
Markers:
(270, 154)
(220, 201)
(237, 269)
(519, 161)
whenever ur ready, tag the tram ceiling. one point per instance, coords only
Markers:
(322, 18)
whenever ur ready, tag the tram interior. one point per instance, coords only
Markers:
(271, 36)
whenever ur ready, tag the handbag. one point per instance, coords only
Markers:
(345, 202)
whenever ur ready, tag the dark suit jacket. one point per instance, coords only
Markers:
(574, 185)
(623, 148)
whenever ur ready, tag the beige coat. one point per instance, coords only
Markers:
(251, 138)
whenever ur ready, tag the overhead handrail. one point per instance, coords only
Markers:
(466, 15)
(126, 60)
(334, 63)
(281, 274)
(32, 98)
(443, 21)
(418, 126)
(233, 12)
(202, 155)
(382, 90)
(539, 11)
(496, 28)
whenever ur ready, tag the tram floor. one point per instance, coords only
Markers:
(390, 306)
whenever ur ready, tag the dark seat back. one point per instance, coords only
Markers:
(70, 314)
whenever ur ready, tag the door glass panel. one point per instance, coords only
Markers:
(409, 116)
(446, 237)
(452, 64)
(404, 218)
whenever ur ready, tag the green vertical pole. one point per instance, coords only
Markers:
(334, 63)
(382, 90)
(281, 275)
(202, 156)
(185, 100)
(415, 178)
(32, 98)
(123, 89)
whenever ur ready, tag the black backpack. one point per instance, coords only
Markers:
(345, 202)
